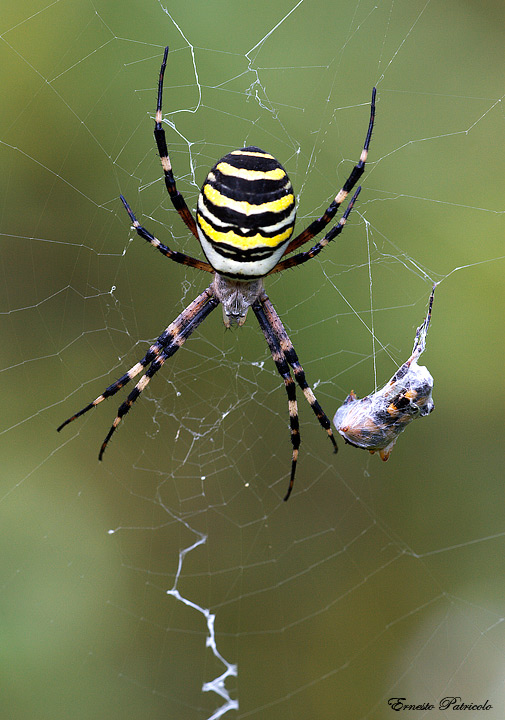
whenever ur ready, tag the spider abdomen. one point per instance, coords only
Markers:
(246, 213)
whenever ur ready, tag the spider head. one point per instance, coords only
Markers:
(236, 297)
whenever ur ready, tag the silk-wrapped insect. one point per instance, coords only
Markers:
(374, 422)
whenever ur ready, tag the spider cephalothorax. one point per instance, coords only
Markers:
(244, 222)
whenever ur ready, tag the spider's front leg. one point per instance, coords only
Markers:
(284, 355)
(167, 345)
(283, 370)
(292, 358)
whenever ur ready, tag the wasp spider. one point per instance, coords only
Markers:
(244, 222)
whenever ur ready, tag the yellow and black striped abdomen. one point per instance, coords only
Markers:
(246, 213)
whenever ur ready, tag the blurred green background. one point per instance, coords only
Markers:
(376, 579)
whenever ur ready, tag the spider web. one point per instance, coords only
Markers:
(171, 580)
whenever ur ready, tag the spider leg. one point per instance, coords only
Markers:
(169, 341)
(178, 332)
(277, 338)
(152, 353)
(163, 340)
(159, 135)
(164, 250)
(317, 225)
(302, 257)
(289, 352)
(142, 383)
(284, 372)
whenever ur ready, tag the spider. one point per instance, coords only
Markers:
(244, 221)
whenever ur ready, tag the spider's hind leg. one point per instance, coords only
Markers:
(318, 225)
(159, 135)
